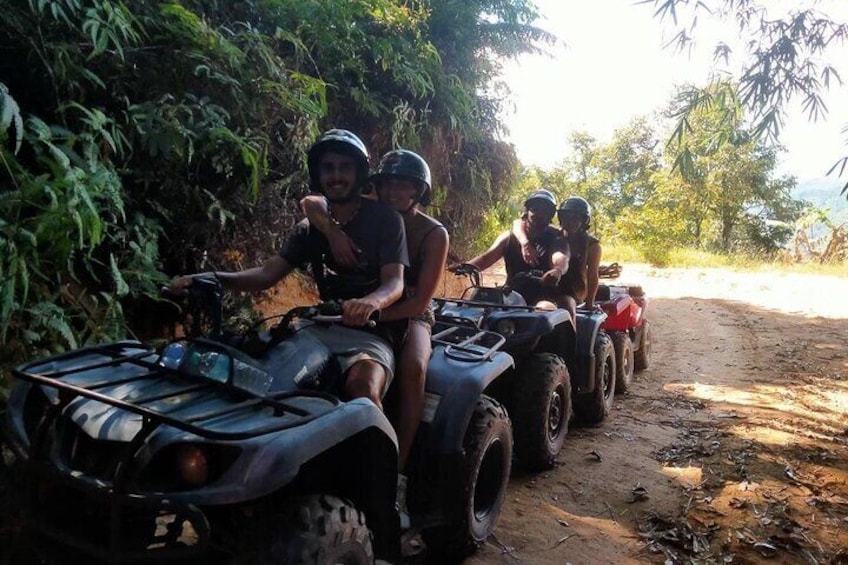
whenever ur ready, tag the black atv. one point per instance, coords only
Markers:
(537, 393)
(238, 449)
(556, 368)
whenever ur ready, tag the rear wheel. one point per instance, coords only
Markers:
(488, 456)
(542, 409)
(623, 347)
(593, 408)
(642, 357)
(313, 530)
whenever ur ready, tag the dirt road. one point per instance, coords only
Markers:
(731, 448)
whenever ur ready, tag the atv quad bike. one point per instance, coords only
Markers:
(555, 368)
(627, 326)
(239, 449)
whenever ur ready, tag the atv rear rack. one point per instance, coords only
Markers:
(465, 342)
(140, 361)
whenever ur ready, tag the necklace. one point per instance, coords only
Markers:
(339, 223)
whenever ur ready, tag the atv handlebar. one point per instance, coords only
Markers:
(205, 305)
(329, 312)
(533, 275)
(337, 319)
(612, 271)
(467, 270)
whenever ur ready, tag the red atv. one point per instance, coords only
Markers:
(626, 324)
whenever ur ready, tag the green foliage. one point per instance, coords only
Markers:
(786, 59)
(729, 201)
(10, 118)
(497, 219)
(127, 128)
(67, 250)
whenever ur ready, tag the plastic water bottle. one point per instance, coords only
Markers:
(173, 355)
(215, 366)
(250, 378)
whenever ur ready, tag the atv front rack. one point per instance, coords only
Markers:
(481, 304)
(88, 372)
(465, 342)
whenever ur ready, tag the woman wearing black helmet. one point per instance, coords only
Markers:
(402, 180)
(581, 280)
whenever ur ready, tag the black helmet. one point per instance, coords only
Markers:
(543, 197)
(341, 141)
(576, 205)
(409, 165)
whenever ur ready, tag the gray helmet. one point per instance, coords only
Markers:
(409, 165)
(576, 205)
(542, 197)
(340, 141)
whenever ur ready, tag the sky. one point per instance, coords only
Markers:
(614, 68)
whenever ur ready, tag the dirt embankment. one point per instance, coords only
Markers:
(731, 448)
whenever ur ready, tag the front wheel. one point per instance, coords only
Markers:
(488, 456)
(594, 407)
(623, 347)
(541, 411)
(311, 530)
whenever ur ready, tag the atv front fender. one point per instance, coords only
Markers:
(270, 462)
(582, 367)
(453, 388)
(528, 326)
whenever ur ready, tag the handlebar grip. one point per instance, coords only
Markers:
(338, 320)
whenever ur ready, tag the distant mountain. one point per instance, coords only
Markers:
(825, 193)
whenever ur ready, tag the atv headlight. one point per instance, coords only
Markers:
(193, 464)
(187, 466)
(505, 327)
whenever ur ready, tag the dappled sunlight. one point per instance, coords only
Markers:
(760, 396)
(766, 436)
(826, 407)
(586, 526)
(735, 491)
(686, 476)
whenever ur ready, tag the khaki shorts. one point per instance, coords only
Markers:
(350, 346)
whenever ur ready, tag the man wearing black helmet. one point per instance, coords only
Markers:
(403, 181)
(549, 249)
(338, 168)
(579, 283)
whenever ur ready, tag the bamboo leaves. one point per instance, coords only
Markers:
(10, 117)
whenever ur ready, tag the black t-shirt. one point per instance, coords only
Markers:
(376, 229)
(546, 244)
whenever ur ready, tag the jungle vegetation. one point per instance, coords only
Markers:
(139, 140)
